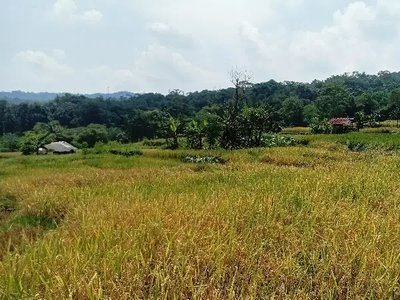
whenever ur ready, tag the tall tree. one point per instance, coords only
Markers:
(241, 80)
(292, 111)
(3, 108)
(333, 100)
(395, 104)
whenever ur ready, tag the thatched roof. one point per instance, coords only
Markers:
(61, 147)
(341, 121)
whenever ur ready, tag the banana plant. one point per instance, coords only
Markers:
(173, 125)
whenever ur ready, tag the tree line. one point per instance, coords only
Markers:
(234, 117)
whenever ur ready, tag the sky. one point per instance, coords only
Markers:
(87, 46)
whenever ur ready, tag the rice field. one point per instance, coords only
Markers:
(306, 222)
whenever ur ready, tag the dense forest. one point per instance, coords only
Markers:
(234, 117)
(20, 97)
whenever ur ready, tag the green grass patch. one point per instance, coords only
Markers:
(8, 203)
(42, 221)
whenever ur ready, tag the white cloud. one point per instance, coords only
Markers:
(104, 77)
(157, 69)
(170, 36)
(346, 45)
(59, 53)
(353, 20)
(162, 44)
(68, 10)
(39, 71)
(209, 19)
(390, 6)
(171, 70)
(92, 16)
(42, 61)
(158, 27)
(65, 8)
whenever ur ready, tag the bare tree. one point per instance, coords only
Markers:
(241, 80)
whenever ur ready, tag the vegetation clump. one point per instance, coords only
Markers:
(269, 141)
(203, 159)
(19, 227)
(126, 153)
(357, 146)
(8, 203)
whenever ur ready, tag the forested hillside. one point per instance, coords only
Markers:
(19, 96)
(272, 104)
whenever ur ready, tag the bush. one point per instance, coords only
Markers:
(126, 153)
(29, 143)
(114, 148)
(8, 202)
(9, 143)
(320, 126)
(92, 134)
(356, 146)
(171, 145)
(153, 143)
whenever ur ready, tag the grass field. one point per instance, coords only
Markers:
(372, 141)
(319, 222)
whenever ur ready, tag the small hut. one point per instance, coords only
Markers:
(342, 125)
(61, 148)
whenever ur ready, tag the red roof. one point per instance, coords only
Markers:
(340, 121)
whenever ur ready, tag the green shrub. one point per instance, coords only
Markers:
(8, 202)
(126, 153)
(154, 143)
(319, 126)
(356, 146)
(9, 143)
(113, 148)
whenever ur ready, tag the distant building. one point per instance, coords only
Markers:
(342, 125)
(42, 151)
(60, 148)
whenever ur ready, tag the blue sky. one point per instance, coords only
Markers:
(86, 46)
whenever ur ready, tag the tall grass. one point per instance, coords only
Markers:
(289, 223)
(296, 130)
(373, 140)
(390, 123)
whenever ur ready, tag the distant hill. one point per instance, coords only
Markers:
(20, 96)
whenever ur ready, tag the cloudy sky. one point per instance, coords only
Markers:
(157, 45)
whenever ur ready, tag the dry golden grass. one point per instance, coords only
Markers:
(296, 130)
(389, 129)
(390, 123)
(285, 223)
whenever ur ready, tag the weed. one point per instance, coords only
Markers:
(283, 161)
(126, 153)
(43, 221)
(200, 168)
(356, 146)
(203, 160)
(8, 203)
